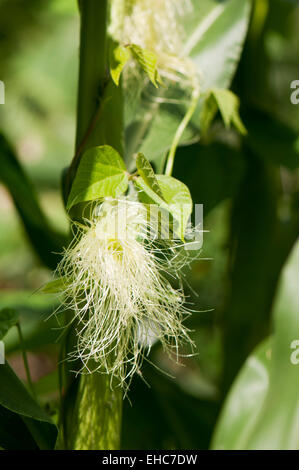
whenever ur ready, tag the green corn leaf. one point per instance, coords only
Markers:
(261, 409)
(119, 56)
(15, 398)
(243, 404)
(45, 240)
(14, 434)
(165, 398)
(101, 173)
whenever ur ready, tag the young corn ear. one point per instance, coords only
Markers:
(118, 288)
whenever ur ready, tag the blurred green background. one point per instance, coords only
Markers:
(249, 189)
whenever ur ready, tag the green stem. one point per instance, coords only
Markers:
(25, 360)
(92, 411)
(179, 133)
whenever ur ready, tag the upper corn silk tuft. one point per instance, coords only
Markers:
(156, 25)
